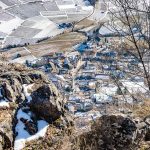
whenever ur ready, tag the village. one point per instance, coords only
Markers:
(75, 74)
(94, 78)
(88, 63)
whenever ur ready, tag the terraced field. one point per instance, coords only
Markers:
(64, 42)
(27, 21)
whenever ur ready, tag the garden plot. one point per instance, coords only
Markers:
(11, 40)
(63, 42)
(2, 35)
(25, 32)
(12, 54)
(79, 12)
(5, 16)
(28, 23)
(51, 6)
(59, 43)
(2, 5)
(65, 16)
(30, 0)
(64, 2)
(79, 2)
(10, 2)
(58, 19)
(40, 22)
(48, 28)
(8, 26)
(23, 59)
(50, 31)
(53, 13)
(76, 16)
(55, 16)
(27, 10)
(63, 5)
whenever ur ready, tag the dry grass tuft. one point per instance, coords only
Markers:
(142, 110)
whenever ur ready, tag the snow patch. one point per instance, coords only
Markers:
(4, 103)
(26, 93)
(87, 8)
(22, 114)
(109, 90)
(135, 87)
(8, 26)
(23, 136)
(61, 77)
(4, 6)
(62, 7)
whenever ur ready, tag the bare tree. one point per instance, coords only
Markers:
(130, 19)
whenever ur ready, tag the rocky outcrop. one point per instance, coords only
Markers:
(29, 101)
(47, 102)
(17, 84)
(6, 133)
(114, 132)
(12, 77)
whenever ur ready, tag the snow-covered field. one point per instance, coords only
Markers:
(135, 87)
(9, 26)
(29, 16)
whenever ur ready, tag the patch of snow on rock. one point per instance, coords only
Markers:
(1, 93)
(27, 94)
(23, 136)
(4, 103)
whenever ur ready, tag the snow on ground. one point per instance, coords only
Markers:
(4, 103)
(134, 87)
(87, 8)
(22, 114)
(23, 136)
(91, 115)
(50, 31)
(63, 7)
(9, 26)
(47, 27)
(23, 59)
(109, 90)
(42, 23)
(27, 94)
(61, 77)
(94, 115)
(3, 5)
(101, 97)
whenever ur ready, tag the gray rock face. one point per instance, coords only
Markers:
(114, 133)
(47, 102)
(8, 92)
(13, 76)
(6, 133)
